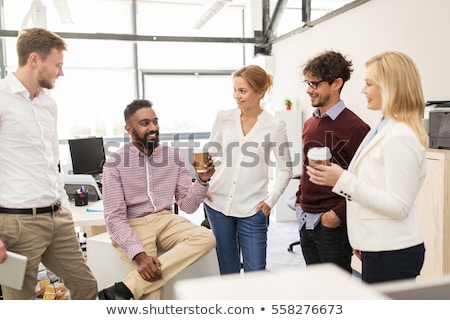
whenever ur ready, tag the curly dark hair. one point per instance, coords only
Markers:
(329, 66)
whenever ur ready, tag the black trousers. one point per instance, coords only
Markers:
(392, 265)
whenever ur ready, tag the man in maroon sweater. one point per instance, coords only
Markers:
(320, 212)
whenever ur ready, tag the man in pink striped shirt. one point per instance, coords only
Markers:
(140, 182)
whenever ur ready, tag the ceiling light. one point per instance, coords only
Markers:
(63, 11)
(210, 12)
(38, 13)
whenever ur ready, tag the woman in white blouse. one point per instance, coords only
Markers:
(239, 202)
(386, 173)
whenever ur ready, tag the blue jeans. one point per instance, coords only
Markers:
(326, 245)
(392, 265)
(239, 235)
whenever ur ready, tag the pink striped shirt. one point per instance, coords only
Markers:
(135, 185)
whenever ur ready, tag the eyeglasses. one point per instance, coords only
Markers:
(313, 84)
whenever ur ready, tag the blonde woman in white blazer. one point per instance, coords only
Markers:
(386, 173)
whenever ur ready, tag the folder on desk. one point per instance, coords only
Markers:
(96, 207)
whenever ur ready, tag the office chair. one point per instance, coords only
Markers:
(290, 202)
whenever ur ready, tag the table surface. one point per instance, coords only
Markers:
(316, 282)
(82, 218)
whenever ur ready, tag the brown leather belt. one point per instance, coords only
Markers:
(52, 209)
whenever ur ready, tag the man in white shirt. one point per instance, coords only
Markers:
(34, 208)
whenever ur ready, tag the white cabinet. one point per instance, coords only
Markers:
(434, 214)
(105, 263)
(294, 125)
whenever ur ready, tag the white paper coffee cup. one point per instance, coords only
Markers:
(319, 155)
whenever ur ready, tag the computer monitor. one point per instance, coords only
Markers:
(88, 155)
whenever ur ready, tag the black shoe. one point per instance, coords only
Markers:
(112, 293)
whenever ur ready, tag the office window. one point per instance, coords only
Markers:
(188, 102)
(189, 56)
(86, 16)
(178, 18)
(292, 14)
(103, 76)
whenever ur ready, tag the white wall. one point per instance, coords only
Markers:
(419, 28)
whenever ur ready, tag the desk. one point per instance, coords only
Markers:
(420, 289)
(91, 223)
(81, 218)
(316, 282)
(105, 263)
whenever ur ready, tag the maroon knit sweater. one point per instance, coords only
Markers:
(343, 136)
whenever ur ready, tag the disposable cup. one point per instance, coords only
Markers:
(201, 158)
(318, 156)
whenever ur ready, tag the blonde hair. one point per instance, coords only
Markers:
(257, 77)
(402, 97)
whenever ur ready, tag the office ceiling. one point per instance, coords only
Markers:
(317, 8)
(269, 18)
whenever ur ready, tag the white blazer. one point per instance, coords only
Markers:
(381, 185)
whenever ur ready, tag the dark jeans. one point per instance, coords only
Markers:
(324, 244)
(239, 235)
(392, 265)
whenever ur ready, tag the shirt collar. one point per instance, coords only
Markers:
(138, 152)
(17, 87)
(382, 123)
(14, 84)
(333, 113)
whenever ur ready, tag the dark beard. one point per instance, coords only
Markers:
(322, 101)
(148, 145)
(45, 84)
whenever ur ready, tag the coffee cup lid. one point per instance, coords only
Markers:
(319, 153)
(200, 150)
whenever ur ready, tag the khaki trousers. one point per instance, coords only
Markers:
(180, 241)
(49, 238)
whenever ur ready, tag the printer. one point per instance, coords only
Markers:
(439, 124)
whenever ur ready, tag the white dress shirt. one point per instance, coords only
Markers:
(241, 180)
(29, 149)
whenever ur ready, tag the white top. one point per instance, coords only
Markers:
(381, 186)
(241, 180)
(29, 149)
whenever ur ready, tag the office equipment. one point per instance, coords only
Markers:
(88, 155)
(72, 182)
(439, 126)
(12, 270)
(81, 197)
